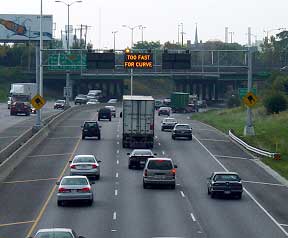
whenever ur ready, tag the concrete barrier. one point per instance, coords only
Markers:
(27, 146)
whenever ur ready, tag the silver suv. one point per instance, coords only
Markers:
(161, 171)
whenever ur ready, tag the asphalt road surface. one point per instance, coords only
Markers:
(122, 208)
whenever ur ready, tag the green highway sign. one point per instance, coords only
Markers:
(67, 61)
(243, 91)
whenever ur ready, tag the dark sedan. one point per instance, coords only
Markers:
(225, 183)
(138, 158)
(182, 131)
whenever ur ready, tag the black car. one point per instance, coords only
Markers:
(225, 183)
(182, 130)
(80, 99)
(138, 158)
(91, 129)
(104, 113)
(164, 111)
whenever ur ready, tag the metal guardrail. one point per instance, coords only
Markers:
(255, 150)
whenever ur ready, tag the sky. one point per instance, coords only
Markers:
(161, 18)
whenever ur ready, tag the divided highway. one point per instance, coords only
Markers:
(122, 208)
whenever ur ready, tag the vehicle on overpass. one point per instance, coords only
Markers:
(56, 233)
(138, 158)
(182, 131)
(74, 188)
(91, 129)
(225, 183)
(21, 95)
(159, 171)
(138, 122)
(85, 165)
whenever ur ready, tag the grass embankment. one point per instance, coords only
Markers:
(271, 131)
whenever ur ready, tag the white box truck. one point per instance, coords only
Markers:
(138, 122)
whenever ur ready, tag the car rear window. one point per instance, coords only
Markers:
(169, 120)
(226, 177)
(182, 127)
(90, 124)
(54, 234)
(105, 110)
(160, 164)
(84, 160)
(74, 181)
(142, 152)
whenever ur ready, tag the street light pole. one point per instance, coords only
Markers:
(182, 33)
(114, 33)
(142, 29)
(178, 40)
(231, 36)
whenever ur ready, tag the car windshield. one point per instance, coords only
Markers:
(160, 164)
(54, 234)
(182, 127)
(84, 159)
(226, 177)
(74, 181)
(60, 101)
(142, 152)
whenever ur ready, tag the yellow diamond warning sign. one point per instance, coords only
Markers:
(250, 99)
(38, 102)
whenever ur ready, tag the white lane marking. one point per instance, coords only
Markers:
(67, 126)
(215, 140)
(163, 152)
(118, 136)
(113, 230)
(49, 155)
(187, 117)
(116, 192)
(117, 142)
(232, 157)
(248, 193)
(159, 143)
(182, 194)
(117, 175)
(29, 180)
(263, 183)
(117, 151)
(114, 216)
(193, 217)
(178, 184)
(284, 225)
(156, 137)
(117, 161)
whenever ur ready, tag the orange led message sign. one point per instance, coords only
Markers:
(138, 60)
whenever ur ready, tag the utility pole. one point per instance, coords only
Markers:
(114, 43)
(231, 36)
(142, 29)
(182, 33)
(178, 40)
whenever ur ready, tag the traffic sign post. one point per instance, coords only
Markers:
(67, 92)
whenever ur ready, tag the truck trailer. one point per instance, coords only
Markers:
(138, 122)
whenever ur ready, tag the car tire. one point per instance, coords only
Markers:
(173, 186)
(239, 196)
(208, 191)
(144, 185)
(90, 202)
(213, 195)
(99, 137)
(129, 166)
(60, 203)
(83, 137)
(97, 177)
(110, 119)
(99, 119)
(190, 138)
(162, 129)
(173, 137)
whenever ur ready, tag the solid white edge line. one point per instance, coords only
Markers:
(193, 217)
(248, 193)
(232, 157)
(263, 183)
(182, 194)
(283, 225)
(114, 216)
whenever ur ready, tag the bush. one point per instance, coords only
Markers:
(233, 101)
(275, 103)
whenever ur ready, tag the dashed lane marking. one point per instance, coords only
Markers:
(29, 180)
(159, 144)
(263, 183)
(63, 138)
(49, 155)
(113, 230)
(114, 215)
(116, 192)
(118, 151)
(117, 175)
(118, 142)
(182, 194)
(247, 192)
(192, 217)
(163, 152)
(118, 136)
(117, 161)
(7, 137)
(232, 157)
(16, 223)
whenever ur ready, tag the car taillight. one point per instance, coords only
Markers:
(63, 190)
(73, 166)
(94, 166)
(87, 189)
(145, 172)
(173, 171)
